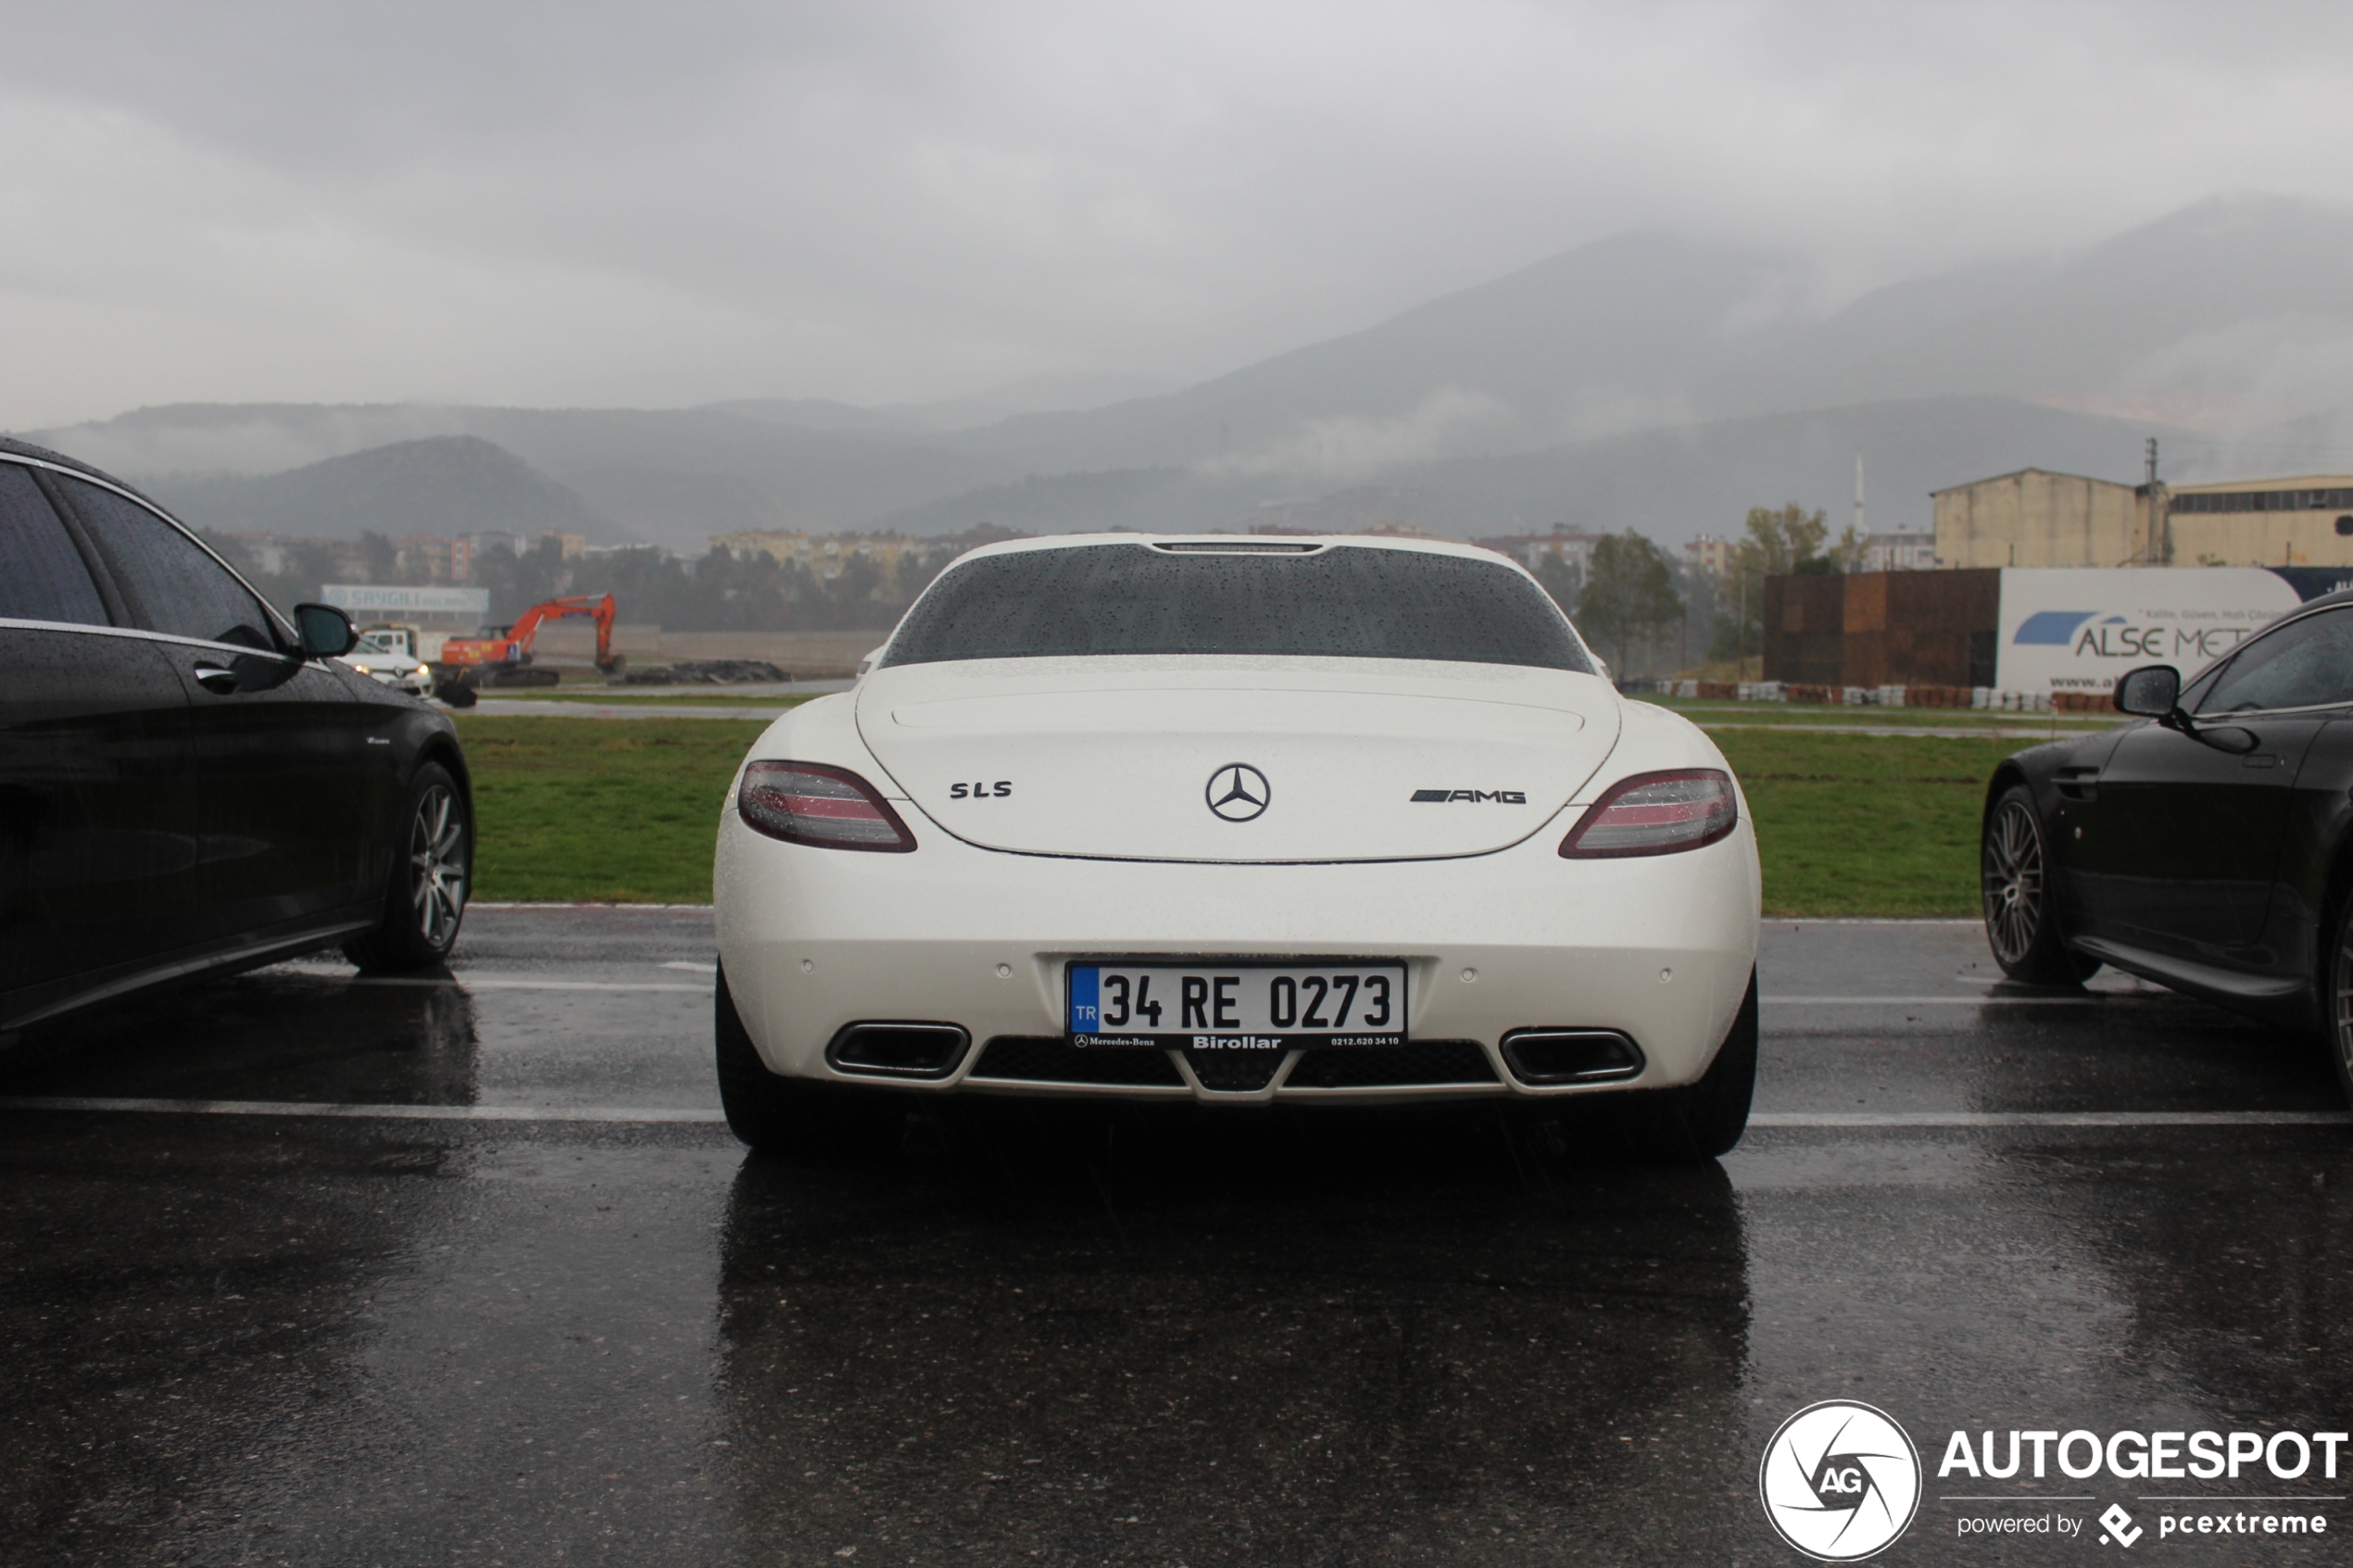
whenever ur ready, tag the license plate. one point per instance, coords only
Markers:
(1251, 1005)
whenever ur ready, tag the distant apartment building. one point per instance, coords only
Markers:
(492, 539)
(417, 558)
(2036, 518)
(1898, 550)
(1711, 555)
(825, 554)
(1568, 544)
(428, 557)
(269, 551)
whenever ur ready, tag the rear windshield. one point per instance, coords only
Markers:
(1339, 602)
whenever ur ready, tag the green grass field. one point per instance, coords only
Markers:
(618, 810)
(1750, 714)
(623, 811)
(1866, 824)
(715, 697)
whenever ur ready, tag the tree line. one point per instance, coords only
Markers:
(1639, 606)
(723, 591)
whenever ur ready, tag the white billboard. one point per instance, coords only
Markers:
(2076, 629)
(377, 600)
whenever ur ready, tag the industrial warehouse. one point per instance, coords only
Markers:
(2034, 518)
(2026, 557)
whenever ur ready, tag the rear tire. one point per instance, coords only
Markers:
(782, 1117)
(2021, 925)
(1690, 1125)
(2336, 999)
(1714, 1112)
(431, 877)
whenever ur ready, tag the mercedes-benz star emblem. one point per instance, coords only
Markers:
(1237, 792)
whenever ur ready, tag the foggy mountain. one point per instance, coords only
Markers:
(1643, 380)
(1609, 336)
(2221, 310)
(444, 485)
(2238, 307)
(667, 477)
(1672, 483)
(1031, 395)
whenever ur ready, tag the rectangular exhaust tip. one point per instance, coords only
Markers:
(899, 1050)
(1572, 1056)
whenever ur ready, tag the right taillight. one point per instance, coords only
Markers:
(809, 802)
(1655, 814)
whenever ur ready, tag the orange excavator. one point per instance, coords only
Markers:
(501, 656)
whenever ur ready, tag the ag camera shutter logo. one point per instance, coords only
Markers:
(1840, 1481)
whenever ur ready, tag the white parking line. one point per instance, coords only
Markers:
(625, 1116)
(618, 1113)
(1944, 1002)
(468, 982)
(2051, 1118)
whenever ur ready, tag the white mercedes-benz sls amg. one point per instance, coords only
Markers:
(1238, 820)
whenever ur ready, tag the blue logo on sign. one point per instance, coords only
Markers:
(2057, 627)
(1085, 986)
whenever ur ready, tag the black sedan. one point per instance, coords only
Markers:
(188, 781)
(2208, 848)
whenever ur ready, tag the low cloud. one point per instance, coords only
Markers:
(1447, 422)
(600, 206)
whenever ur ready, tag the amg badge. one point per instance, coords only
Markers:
(1502, 796)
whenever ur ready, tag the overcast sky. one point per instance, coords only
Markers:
(509, 201)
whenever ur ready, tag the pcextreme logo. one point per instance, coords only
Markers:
(1840, 1481)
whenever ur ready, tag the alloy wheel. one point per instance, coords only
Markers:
(2013, 882)
(437, 865)
(2342, 984)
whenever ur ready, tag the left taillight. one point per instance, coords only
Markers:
(1655, 814)
(809, 802)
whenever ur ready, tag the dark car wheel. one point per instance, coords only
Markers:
(432, 872)
(1683, 1126)
(2337, 980)
(787, 1117)
(2019, 920)
(1714, 1111)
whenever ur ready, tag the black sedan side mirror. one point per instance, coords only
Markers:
(327, 631)
(2152, 692)
(2155, 692)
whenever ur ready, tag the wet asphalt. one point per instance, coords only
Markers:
(519, 1299)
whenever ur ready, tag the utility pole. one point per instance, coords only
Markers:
(1861, 532)
(1740, 627)
(2156, 552)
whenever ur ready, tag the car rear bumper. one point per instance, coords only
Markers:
(1659, 948)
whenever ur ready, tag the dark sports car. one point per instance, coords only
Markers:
(2208, 848)
(189, 781)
